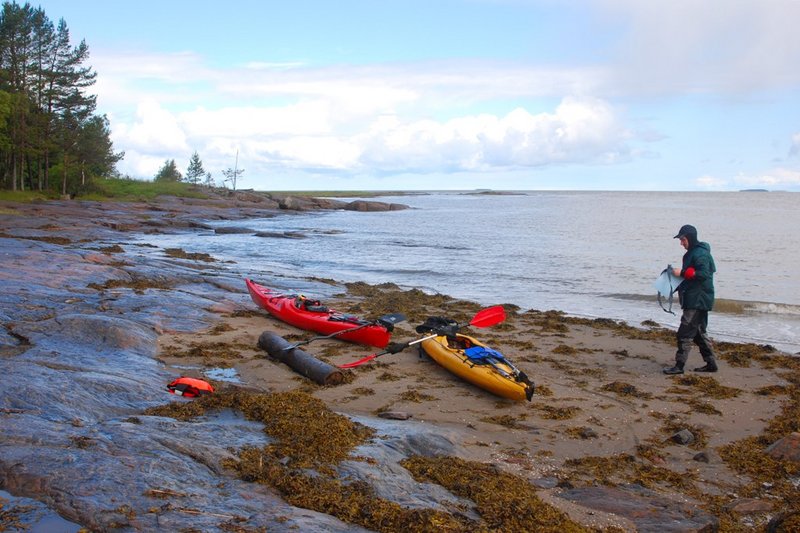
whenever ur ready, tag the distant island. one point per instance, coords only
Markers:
(754, 190)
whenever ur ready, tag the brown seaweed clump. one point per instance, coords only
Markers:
(180, 253)
(505, 502)
(625, 389)
(709, 386)
(309, 436)
(63, 241)
(10, 518)
(552, 412)
(386, 298)
(138, 285)
(305, 430)
(508, 421)
(417, 397)
(354, 503)
(207, 350)
(625, 468)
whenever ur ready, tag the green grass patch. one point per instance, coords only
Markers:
(131, 190)
(25, 197)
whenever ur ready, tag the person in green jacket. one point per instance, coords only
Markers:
(696, 295)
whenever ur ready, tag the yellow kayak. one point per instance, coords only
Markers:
(473, 361)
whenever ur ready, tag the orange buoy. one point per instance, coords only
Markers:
(190, 387)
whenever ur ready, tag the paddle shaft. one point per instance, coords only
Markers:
(386, 321)
(482, 319)
(375, 355)
(319, 338)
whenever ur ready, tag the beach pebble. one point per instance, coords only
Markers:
(702, 457)
(683, 437)
(787, 448)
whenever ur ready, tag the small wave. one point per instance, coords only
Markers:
(725, 305)
(406, 244)
(769, 308)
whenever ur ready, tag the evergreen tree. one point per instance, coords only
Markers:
(169, 172)
(95, 151)
(49, 115)
(195, 170)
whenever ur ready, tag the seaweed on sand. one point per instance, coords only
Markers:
(376, 300)
(207, 349)
(709, 386)
(505, 502)
(303, 428)
(625, 389)
(310, 440)
(625, 468)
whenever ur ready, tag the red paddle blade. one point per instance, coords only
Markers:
(488, 317)
(360, 362)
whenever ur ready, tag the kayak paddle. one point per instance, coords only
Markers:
(482, 319)
(387, 321)
(488, 317)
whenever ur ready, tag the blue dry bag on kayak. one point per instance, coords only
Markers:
(481, 354)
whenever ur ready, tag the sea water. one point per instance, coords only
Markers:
(590, 254)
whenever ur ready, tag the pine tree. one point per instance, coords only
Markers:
(169, 172)
(195, 170)
(49, 112)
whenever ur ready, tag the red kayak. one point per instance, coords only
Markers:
(309, 314)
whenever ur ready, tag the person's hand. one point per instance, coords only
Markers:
(676, 272)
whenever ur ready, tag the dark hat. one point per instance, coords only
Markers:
(685, 231)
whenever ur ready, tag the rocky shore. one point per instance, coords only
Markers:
(96, 322)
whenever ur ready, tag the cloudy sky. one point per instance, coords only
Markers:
(452, 94)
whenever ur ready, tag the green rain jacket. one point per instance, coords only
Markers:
(697, 289)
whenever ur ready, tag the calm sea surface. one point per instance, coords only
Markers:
(593, 254)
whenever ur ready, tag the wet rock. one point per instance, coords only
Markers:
(587, 433)
(683, 437)
(648, 510)
(297, 203)
(383, 472)
(30, 515)
(371, 206)
(546, 482)
(230, 230)
(394, 415)
(702, 457)
(750, 506)
(787, 448)
(282, 234)
(784, 522)
(253, 197)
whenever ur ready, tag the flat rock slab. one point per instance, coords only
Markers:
(651, 512)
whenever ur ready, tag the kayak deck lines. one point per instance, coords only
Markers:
(311, 315)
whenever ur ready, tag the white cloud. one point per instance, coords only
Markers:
(778, 177)
(354, 119)
(711, 183)
(155, 130)
(578, 131)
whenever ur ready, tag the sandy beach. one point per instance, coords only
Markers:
(607, 442)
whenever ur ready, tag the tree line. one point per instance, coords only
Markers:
(196, 174)
(50, 135)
